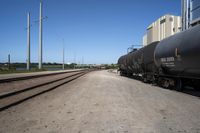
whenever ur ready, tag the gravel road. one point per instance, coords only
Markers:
(104, 102)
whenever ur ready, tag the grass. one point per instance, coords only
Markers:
(20, 71)
(4, 70)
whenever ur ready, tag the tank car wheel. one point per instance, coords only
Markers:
(154, 80)
(166, 84)
(179, 85)
(144, 78)
(121, 73)
(159, 81)
(129, 74)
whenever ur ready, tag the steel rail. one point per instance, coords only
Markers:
(5, 80)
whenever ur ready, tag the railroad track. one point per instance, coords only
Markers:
(6, 80)
(15, 97)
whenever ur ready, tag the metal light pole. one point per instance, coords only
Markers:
(8, 61)
(40, 37)
(63, 66)
(82, 61)
(74, 60)
(28, 42)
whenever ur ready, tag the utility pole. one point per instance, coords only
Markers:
(63, 66)
(40, 37)
(74, 60)
(82, 61)
(8, 61)
(28, 42)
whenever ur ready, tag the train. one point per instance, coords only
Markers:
(171, 62)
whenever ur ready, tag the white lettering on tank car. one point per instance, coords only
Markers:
(168, 61)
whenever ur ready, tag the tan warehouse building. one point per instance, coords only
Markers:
(164, 27)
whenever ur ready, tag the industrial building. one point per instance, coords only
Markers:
(163, 27)
(195, 12)
(144, 40)
(190, 13)
(185, 13)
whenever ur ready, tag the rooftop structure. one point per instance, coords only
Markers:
(163, 27)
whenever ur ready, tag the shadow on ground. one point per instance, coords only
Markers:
(187, 90)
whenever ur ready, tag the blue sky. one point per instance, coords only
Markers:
(100, 31)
